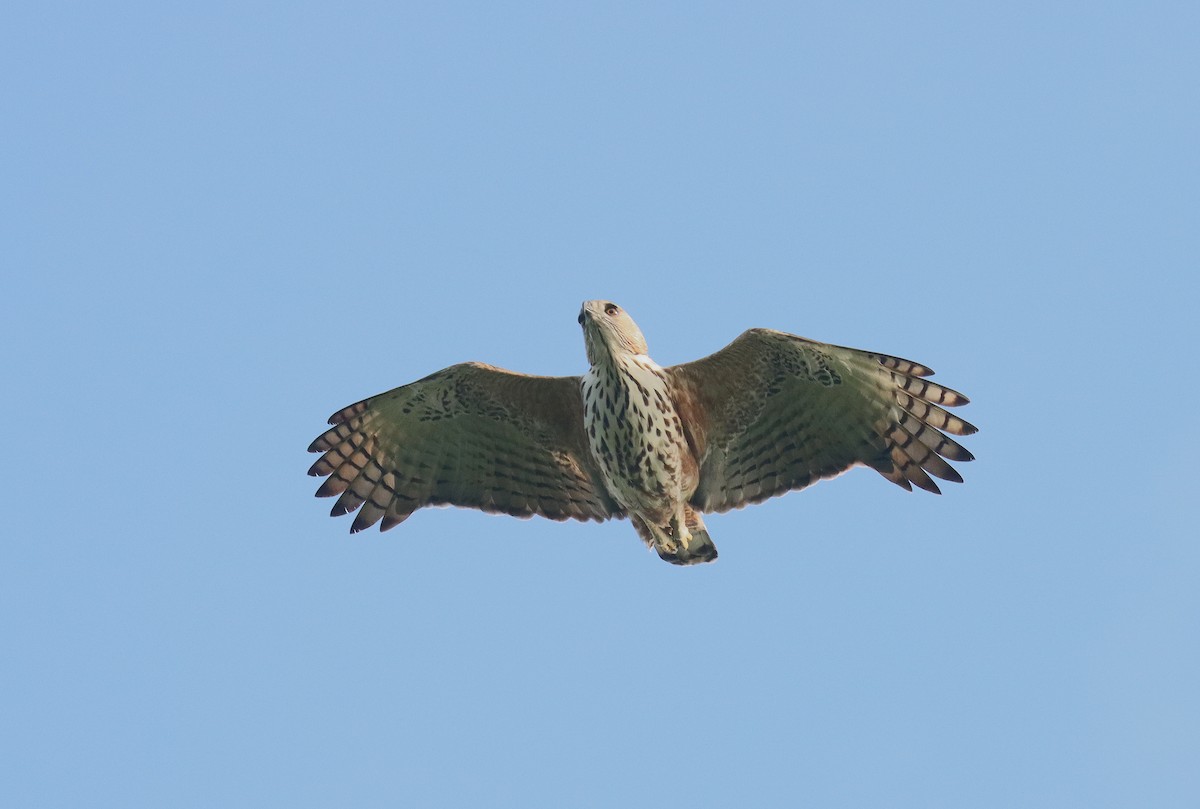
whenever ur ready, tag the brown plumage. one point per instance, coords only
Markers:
(769, 413)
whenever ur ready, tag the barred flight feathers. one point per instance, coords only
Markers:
(469, 435)
(772, 412)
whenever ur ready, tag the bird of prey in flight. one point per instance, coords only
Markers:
(769, 413)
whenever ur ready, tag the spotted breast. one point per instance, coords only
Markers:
(637, 437)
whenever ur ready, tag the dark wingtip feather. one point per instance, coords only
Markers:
(907, 367)
(332, 486)
(349, 412)
(927, 484)
(947, 472)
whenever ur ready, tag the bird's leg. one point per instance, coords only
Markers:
(680, 531)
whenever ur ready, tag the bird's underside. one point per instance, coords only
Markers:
(767, 414)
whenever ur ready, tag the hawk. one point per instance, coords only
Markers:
(769, 413)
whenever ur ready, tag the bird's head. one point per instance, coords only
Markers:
(609, 331)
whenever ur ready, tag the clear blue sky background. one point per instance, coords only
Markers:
(223, 221)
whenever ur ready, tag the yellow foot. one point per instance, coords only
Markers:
(679, 530)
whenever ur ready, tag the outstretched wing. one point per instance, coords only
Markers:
(772, 412)
(469, 435)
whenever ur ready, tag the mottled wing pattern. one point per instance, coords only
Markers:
(469, 435)
(772, 412)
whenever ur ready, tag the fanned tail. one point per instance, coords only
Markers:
(699, 549)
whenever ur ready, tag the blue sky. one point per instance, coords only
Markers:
(224, 221)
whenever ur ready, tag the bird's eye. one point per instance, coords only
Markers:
(611, 308)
